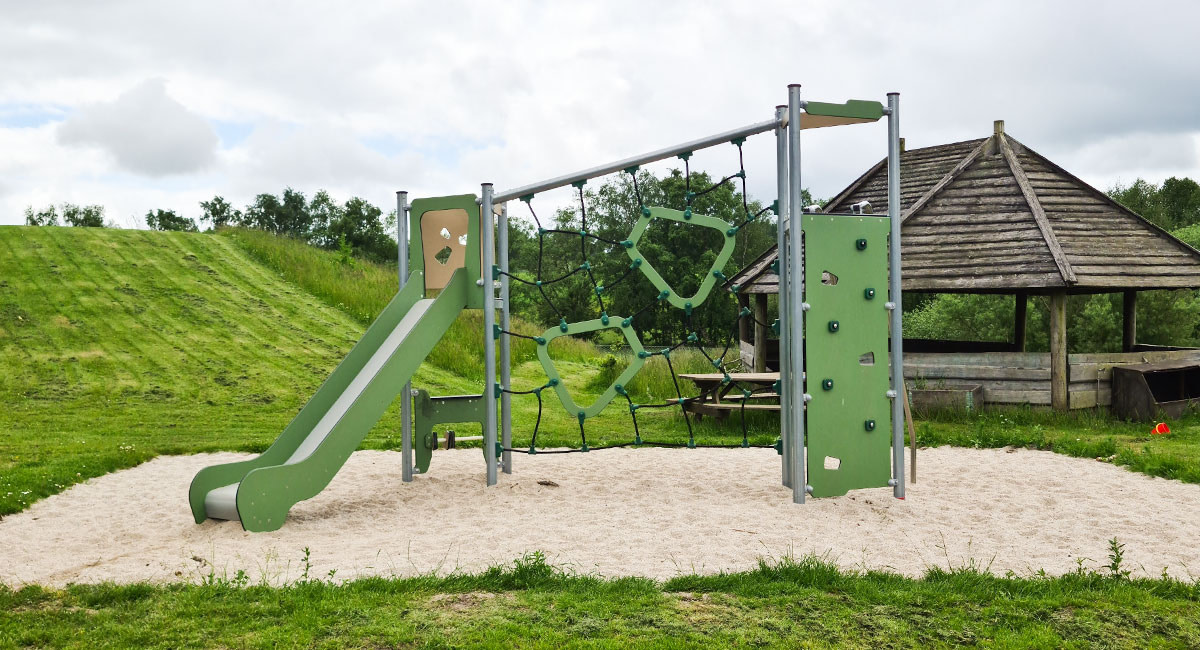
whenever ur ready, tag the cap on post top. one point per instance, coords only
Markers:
(998, 127)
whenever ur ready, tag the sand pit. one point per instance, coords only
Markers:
(648, 512)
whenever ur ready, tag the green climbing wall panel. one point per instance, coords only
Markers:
(846, 353)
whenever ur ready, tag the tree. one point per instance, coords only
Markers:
(88, 216)
(168, 220)
(1174, 204)
(46, 217)
(359, 223)
(219, 213)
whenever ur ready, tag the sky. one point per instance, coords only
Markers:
(160, 105)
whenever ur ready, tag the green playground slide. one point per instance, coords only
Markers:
(314, 446)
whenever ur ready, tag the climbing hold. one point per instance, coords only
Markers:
(553, 382)
(664, 294)
(619, 388)
(562, 324)
(718, 275)
(861, 244)
(869, 425)
(687, 213)
(627, 243)
(731, 232)
(540, 340)
(603, 315)
(834, 326)
(869, 293)
(636, 263)
(827, 384)
(626, 322)
(645, 211)
(642, 354)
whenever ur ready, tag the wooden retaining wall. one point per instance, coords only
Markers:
(1024, 377)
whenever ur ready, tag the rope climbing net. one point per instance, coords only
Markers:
(628, 325)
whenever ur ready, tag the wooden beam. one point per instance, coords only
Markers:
(743, 324)
(1129, 322)
(760, 332)
(1039, 214)
(1059, 398)
(1020, 320)
(946, 180)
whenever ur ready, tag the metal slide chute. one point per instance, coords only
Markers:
(314, 446)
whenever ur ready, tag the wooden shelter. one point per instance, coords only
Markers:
(993, 216)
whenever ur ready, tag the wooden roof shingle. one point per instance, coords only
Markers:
(993, 216)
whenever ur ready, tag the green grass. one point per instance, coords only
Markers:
(801, 603)
(1084, 434)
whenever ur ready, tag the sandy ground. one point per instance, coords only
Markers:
(648, 512)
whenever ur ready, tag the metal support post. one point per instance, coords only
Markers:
(897, 329)
(489, 341)
(785, 362)
(795, 329)
(505, 342)
(406, 423)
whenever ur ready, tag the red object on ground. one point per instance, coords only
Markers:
(1160, 429)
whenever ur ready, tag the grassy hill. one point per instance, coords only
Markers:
(119, 345)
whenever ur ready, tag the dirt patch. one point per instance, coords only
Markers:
(465, 601)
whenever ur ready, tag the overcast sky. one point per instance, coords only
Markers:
(141, 105)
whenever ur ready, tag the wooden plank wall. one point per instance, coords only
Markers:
(1024, 377)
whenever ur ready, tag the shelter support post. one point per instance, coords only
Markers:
(1129, 321)
(1020, 320)
(743, 325)
(760, 332)
(1060, 400)
(406, 422)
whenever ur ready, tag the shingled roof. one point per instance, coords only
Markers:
(994, 216)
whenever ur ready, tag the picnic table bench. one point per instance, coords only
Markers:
(716, 400)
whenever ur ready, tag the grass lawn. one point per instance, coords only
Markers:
(117, 346)
(805, 603)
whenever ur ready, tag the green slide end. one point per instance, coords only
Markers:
(846, 353)
(319, 440)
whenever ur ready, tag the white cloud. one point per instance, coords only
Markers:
(146, 132)
(438, 97)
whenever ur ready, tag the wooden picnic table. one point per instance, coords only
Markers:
(716, 400)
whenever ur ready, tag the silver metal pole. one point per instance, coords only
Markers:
(785, 361)
(895, 295)
(406, 448)
(505, 342)
(653, 156)
(795, 330)
(489, 323)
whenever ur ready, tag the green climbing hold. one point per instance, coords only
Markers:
(636, 263)
(718, 275)
(664, 294)
(642, 354)
(687, 213)
(553, 382)
(562, 324)
(834, 326)
(627, 243)
(645, 211)
(869, 425)
(731, 232)
(619, 388)
(626, 322)
(861, 244)
(869, 294)
(827, 384)
(603, 315)
(540, 340)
